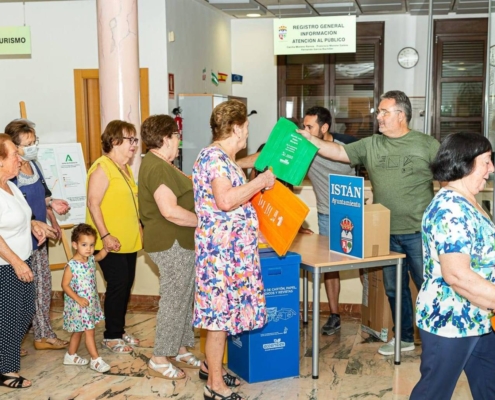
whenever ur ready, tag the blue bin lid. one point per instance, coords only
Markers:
(270, 258)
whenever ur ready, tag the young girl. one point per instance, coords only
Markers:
(82, 310)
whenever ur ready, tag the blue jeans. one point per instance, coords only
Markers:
(323, 224)
(443, 359)
(411, 246)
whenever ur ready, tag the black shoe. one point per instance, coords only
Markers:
(230, 380)
(332, 325)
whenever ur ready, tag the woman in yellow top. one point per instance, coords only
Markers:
(113, 211)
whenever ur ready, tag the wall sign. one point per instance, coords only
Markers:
(15, 40)
(314, 35)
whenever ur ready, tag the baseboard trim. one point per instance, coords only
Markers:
(150, 303)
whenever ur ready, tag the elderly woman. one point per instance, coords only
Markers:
(113, 212)
(230, 295)
(457, 297)
(166, 205)
(16, 276)
(32, 185)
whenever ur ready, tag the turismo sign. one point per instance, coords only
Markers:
(314, 35)
(15, 40)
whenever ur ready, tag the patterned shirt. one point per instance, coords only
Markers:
(453, 225)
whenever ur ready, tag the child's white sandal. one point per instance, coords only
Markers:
(74, 359)
(99, 365)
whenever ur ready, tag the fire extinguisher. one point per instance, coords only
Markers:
(178, 120)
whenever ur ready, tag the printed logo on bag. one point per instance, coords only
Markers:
(236, 341)
(282, 32)
(346, 235)
(276, 345)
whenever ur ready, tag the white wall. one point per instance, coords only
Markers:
(64, 38)
(202, 40)
(252, 57)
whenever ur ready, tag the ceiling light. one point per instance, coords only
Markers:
(253, 15)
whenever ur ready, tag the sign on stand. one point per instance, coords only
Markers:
(346, 215)
(65, 175)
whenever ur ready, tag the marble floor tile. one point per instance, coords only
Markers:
(349, 368)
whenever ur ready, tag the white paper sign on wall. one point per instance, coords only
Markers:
(314, 35)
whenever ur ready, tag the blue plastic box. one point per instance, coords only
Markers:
(272, 352)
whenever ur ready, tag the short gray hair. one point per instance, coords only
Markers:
(401, 100)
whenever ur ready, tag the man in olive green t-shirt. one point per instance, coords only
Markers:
(398, 166)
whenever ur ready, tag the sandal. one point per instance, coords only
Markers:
(24, 352)
(210, 394)
(16, 382)
(74, 359)
(191, 362)
(227, 378)
(118, 347)
(171, 373)
(131, 340)
(99, 365)
(44, 344)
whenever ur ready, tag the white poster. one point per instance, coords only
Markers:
(65, 175)
(314, 35)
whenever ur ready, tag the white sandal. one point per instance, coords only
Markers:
(74, 359)
(99, 365)
(192, 362)
(131, 340)
(118, 347)
(171, 373)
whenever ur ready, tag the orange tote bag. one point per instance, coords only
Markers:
(281, 214)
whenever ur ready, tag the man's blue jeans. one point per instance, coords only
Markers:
(411, 246)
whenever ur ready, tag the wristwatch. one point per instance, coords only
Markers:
(50, 202)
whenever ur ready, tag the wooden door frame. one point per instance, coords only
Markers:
(80, 97)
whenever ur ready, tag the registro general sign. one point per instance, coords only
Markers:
(314, 35)
(15, 40)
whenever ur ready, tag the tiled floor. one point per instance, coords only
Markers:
(350, 368)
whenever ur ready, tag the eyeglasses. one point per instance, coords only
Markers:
(132, 140)
(385, 112)
(35, 143)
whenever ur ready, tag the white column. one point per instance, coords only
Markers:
(118, 55)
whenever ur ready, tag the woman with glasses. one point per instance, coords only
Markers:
(32, 185)
(113, 211)
(166, 205)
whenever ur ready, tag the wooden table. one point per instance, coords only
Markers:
(318, 259)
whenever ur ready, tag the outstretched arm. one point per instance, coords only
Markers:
(330, 150)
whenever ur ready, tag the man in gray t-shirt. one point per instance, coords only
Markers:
(398, 166)
(317, 122)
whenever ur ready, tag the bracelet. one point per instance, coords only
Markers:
(104, 236)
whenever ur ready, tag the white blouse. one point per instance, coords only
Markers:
(15, 223)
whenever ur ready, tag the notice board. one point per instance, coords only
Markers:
(65, 175)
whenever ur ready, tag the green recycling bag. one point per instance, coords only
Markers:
(287, 152)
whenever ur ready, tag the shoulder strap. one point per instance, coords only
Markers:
(48, 192)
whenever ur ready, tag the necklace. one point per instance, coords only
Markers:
(471, 199)
(224, 150)
(156, 153)
(123, 170)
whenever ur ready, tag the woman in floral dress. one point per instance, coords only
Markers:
(457, 297)
(230, 295)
